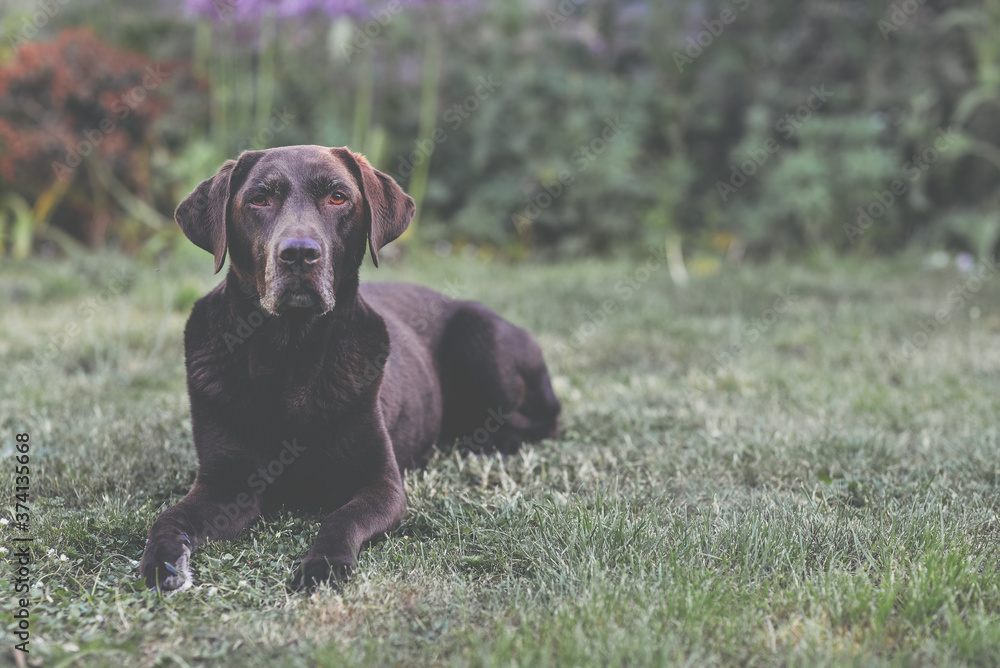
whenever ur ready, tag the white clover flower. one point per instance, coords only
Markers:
(4, 521)
(63, 557)
(3, 550)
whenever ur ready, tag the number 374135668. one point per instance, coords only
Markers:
(22, 482)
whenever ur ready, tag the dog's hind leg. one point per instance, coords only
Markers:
(497, 391)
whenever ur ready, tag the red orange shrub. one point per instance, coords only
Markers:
(66, 103)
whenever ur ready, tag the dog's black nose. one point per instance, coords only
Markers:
(299, 251)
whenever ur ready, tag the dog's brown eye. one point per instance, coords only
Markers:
(337, 198)
(259, 200)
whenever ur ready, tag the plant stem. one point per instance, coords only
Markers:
(363, 102)
(265, 71)
(428, 111)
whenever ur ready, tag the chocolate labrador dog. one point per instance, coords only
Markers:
(309, 391)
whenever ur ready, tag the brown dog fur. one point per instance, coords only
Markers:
(309, 391)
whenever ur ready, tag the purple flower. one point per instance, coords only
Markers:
(253, 10)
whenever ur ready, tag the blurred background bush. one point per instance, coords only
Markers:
(547, 128)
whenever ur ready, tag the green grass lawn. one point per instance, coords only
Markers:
(821, 495)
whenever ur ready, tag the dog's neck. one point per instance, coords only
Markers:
(352, 338)
(296, 326)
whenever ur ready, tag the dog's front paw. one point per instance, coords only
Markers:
(315, 570)
(166, 562)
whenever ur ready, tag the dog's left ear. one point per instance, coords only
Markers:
(388, 210)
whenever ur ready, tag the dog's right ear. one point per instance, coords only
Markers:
(202, 215)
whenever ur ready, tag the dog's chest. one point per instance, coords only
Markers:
(306, 452)
(298, 386)
(316, 400)
(323, 396)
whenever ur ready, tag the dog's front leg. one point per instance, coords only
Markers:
(378, 507)
(208, 512)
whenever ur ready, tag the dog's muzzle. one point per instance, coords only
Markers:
(298, 277)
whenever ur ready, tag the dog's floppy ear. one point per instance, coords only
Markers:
(202, 215)
(388, 210)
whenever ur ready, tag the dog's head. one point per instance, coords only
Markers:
(295, 221)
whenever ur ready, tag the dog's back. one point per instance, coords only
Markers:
(494, 383)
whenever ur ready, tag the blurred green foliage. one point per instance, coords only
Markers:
(569, 127)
